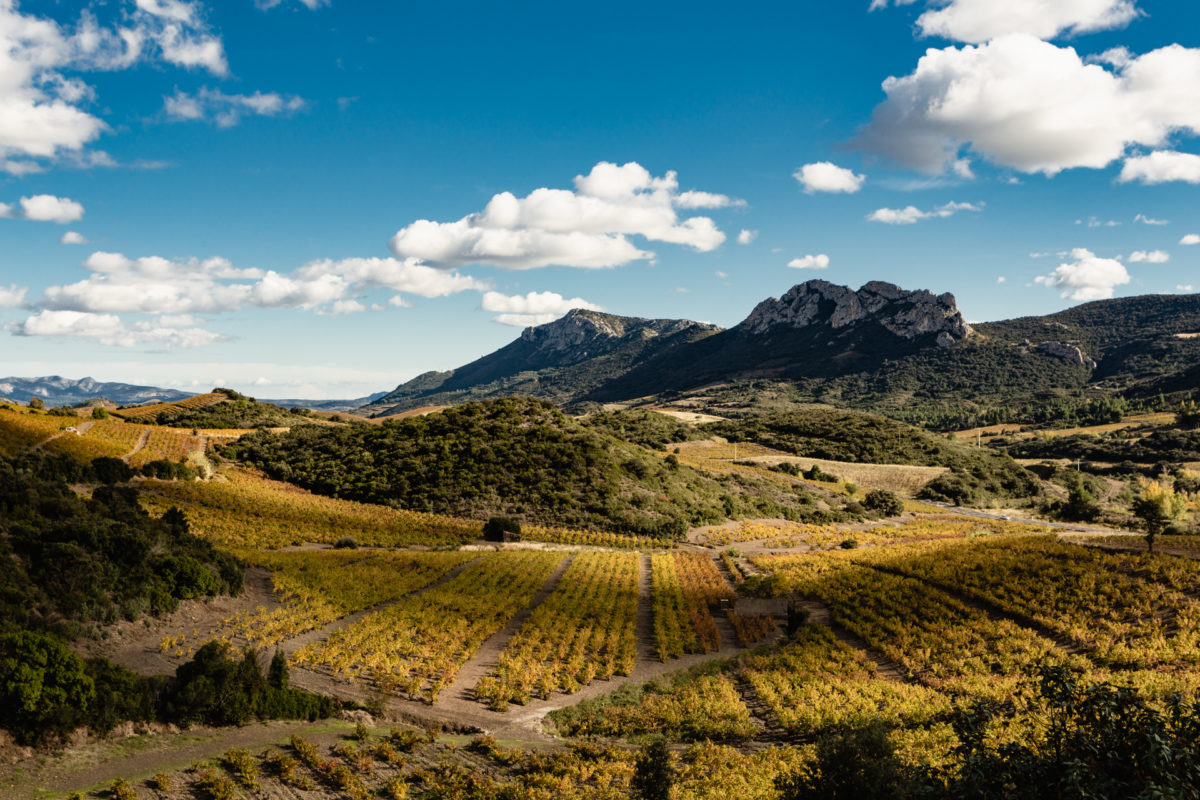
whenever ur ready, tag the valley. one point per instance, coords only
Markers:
(500, 599)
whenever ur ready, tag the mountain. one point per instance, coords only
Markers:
(559, 361)
(903, 352)
(58, 391)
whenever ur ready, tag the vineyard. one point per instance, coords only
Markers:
(151, 411)
(686, 585)
(584, 631)
(240, 509)
(103, 439)
(21, 430)
(318, 587)
(416, 647)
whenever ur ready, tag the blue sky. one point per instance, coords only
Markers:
(276, 196)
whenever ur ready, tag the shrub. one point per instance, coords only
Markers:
(346, 543)
(884, 503)
(499, 529)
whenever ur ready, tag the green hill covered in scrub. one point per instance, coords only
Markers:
(517, 457)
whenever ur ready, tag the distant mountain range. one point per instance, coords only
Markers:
(58, 391)
(880, 347)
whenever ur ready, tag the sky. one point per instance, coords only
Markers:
(325, 198)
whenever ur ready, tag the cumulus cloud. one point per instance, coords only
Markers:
(408, 275)
(746, 236)
(1191, 238)
(1161, 166)
(43, 208)
(588, 227)
(1026, 104)
(825, 176)
(820, 261)
(1149, 257)
(1182, 287)
(911, 214)
(73, 237)
(1142, 218)
(111, 330)
(12, 297)
(226, 110)
(1087, 277)
(981, 20)
(534, 308)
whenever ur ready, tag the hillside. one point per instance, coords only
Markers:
(517, 457)
(219, 409)
(908, 354)
(559, 361)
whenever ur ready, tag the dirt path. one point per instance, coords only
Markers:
(97, 764)
(818, 614)
(81, 427)
(487, 657)
(138, 446)
(644, 631)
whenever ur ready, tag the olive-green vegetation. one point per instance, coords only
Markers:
(73, 563)
(238, 412)
(976, 475)
(519, 458)
(1172, 446)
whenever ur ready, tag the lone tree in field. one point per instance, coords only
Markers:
(653, 773)
(1157, 506)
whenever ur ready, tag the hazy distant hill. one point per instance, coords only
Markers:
(58, 391)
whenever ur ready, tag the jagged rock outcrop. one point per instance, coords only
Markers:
(907, 314)
(1067, 352)
(584, 334)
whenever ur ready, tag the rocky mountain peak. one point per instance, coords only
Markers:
(582, 333)
(907, 314)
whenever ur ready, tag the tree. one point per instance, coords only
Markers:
(1157, 506)
(37, 403)
(653, 773)
(1188, 415)
(99, 412)
(44, 688)
(883, 502)
(851, 765)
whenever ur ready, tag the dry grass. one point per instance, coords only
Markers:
(898, 478)
(690, 417)
(153, 410)
(1015, 432)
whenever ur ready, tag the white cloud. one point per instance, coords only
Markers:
(1088, 277)
(982, 20)
(1034, 107)
(12, 297)
(1151, 257)
(911, 214)
(692, 200)
(111, 330)
(1161, 166)
(820, 261)
(226, 110)
(73, 237)
(534, 308)
(311, 5)
(1001, 279)
(1190, 239)
(43, 112)
(408, 275)
(825, 176)
(746, 236)
(48, 208)
(586, 228)
(1096, 222)
(1142, 218)
(1184, 287)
